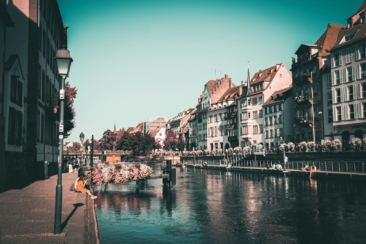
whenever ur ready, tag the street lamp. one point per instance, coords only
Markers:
(82, 145)
(92, 150)
(63, 60)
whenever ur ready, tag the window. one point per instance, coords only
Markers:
(260, 100)
(269, 120)
(350, 93)
(364, 110)
(270, 133)
(348, 55)
(337, 77)
(337, 60)
(266, 133)
(363, 71)
(244, 130)
(339, 113)
(254, 101)
(351, 110)
(255, 129)
(274, 120)
(244, 116)
(15, 127)
(261, 113)
(329, 98)
(280, 118)
(338, 95)
(255, 114)
(260, 128)
(218, 118)
(349, 74)
(328, 80)
(275, 108)
(248, 115)
(315, 89)
(364, 90)
(330, 115)
(361, 51)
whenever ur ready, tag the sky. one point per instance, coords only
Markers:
(135, 60)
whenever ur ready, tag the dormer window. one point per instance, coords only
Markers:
(349, 24)
(348, 37)
(362, 18)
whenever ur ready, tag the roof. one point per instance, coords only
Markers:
(4, 16)
(360, 31)
(138, 128)
(305, 45)
(362, 7)
(271, 99)
(329, 38)
(230, 93)
(264, 75)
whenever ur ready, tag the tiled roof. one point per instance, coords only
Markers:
(329, 38)
(360, 29)
(272, 101)
(230, 93)
(264, 75)
(138, 128)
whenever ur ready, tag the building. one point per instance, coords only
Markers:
(153, 124)
(222, 122)
(5, 22)
(278, 118)
(212, 93)
(347, 99)
(254, 93)
(309, 74)
(179, 124)
(31, 86)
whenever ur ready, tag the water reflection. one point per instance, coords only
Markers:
(210, 206)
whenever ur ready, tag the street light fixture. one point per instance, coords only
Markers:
(82, 146)
(63, 60)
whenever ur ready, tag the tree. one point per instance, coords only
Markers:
(171, 141)
(106, 142)
(69, 112)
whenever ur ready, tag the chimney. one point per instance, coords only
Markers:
(229, 82)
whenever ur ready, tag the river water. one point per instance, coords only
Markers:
(211, 206)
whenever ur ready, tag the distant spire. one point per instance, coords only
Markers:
(249, 91)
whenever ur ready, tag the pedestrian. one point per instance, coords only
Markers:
(70, 166)
(80, 187)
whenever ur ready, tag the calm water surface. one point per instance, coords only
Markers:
(210, 206)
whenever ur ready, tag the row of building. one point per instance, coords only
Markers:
(31, 32)
(324, 97)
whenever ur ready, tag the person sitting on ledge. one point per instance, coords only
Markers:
(279, 167)
(80, 187)
(306, 168)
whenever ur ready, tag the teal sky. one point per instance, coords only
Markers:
(135, 60)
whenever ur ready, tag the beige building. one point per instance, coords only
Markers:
(255, 92)
(347, 112)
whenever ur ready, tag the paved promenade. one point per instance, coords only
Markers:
(27, 214)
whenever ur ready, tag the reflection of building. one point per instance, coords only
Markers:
(31, 84)
(307, 75)
(348, 79)
(5, 22)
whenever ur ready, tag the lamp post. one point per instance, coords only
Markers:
(63, 60)
(81, 136)
(91, 150)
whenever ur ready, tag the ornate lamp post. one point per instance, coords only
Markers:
(92, 150)
(63, 60)
(82, 141)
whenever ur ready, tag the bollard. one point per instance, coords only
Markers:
(46, 169)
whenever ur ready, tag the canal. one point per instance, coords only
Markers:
(211, 206)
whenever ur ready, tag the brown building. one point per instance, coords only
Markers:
(307, 74)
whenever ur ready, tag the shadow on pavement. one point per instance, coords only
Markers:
(76, 205)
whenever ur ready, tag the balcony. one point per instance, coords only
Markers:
(303, 122)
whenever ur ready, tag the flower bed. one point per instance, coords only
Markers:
(119, 173)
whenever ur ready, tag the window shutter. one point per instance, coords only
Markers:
(358, 71)
(353, 73)
(332, 78)
(335, 117)
(357, 53)
(340, 58)
(345, 76)
(346, 109)
(341, 76)
(334, 94)
(355, 93)
(359, 94)
(345, 92)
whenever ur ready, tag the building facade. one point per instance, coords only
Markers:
(255, 92)
(31, 85)
(348, 80)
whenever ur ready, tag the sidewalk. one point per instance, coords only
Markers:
(27, 215)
